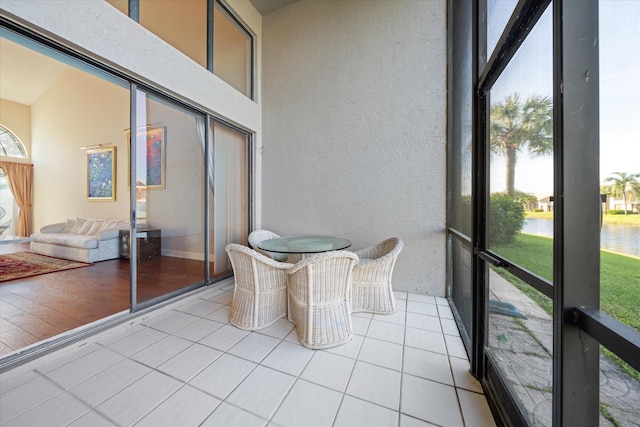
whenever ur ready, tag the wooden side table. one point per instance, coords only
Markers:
(149, 243)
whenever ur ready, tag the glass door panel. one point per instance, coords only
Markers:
(520, 223)
(169, 196)
(619, 30)
(228, 193)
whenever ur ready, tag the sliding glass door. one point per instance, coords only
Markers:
(168, 169)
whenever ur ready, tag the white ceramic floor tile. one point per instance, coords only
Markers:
(449, 327)
(161, 351)
(455, 347)
(462, 376)
(139, 398)
(91, 419)
(360, 324)
(399, 295)
(134, 343)
(199, 329)
(422, 308)
(57, 411)
(425, 340)
(84, 367)
(440, 408)
(202, 308)
(229, 415)
(442, 301)
(358, 413)
(68, 355)
(386, 331)
(421, 298)
(288, 357)
(105, 384)
(407, 421)
(423, 321)
(329, 370)
(381, 353)
(398, 317)
(222, 298)
(375, 384)
(189, 362)
(350, 349)
(445, 312)
(186, 407)
(475, 409)
(222, 376)
(428, 365)
(262, 391)
(254, 347)
(224, 338)
(308, 405)
(279, 329)
(10, 380)
(26, 396)
(221, 315)
(171, 321)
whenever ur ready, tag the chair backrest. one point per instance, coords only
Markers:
(258, 236)
(254, 271)
(323, 277)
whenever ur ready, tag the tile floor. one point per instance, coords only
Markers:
(185, 365)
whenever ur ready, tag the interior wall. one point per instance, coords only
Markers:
(77, 110)
(354, 128)
(17, 118)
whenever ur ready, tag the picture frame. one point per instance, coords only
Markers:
(101, 174)
(150, 159)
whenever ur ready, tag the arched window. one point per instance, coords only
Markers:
(10, 144)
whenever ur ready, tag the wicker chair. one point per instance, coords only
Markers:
(260, 292)
(371, 288)
(258, 236)
(319, 298)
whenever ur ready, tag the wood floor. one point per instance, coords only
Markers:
(39, 307)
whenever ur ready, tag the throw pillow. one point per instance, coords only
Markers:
(68, 225)
(86, 227)
(77, 226)
(97, 225)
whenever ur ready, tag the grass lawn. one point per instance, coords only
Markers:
(631, 219)
(619, 280)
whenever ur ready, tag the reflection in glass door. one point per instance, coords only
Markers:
(520, 223)
(168, 247)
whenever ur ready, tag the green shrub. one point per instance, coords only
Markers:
(538, 210)
(506, 218)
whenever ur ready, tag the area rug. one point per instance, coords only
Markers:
(26, 264)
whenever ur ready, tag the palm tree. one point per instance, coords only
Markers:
(517, 126)
(623, 182)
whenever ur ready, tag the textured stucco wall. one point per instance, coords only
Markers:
(354, 123)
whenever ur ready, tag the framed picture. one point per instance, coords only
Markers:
(150, 159)
(101, 174)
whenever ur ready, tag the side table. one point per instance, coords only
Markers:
(148, 241)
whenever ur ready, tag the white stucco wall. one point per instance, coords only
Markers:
(354, 124)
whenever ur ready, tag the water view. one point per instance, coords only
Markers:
(624, 239)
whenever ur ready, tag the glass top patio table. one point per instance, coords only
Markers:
(304, 244)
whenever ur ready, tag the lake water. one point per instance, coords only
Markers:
(624, 239)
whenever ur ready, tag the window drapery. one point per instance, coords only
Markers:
(20, 178)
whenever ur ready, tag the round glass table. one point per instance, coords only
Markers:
(304, 244)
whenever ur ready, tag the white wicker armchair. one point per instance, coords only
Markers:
(371, 288)
(258, 236)
(260, 292)
(319, 298)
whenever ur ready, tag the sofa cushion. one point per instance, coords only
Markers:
(78, 225)
(74, 240)
(97, 226)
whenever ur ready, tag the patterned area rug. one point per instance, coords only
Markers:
(26, 264)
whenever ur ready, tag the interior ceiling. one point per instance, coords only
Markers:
(268, 6)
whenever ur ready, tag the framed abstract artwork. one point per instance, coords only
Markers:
(150, 159)
(101, 174)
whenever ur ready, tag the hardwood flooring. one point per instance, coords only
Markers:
(39, 307)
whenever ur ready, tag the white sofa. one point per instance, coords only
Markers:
(80, 239)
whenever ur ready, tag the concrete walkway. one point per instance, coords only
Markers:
(524, 349)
